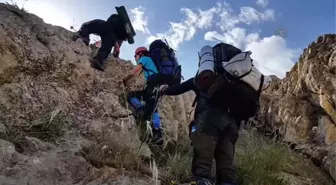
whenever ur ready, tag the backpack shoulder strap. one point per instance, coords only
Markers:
(194, 102)
(148, 70)
(261, 83)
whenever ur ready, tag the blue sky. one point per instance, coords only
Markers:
(188, 25)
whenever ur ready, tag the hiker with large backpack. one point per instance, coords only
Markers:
(228, 88)
(116, 29)
(159, 66)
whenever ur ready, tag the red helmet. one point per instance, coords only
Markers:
(140, 50)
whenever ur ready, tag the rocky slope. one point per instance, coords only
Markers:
(300, 109)
(61, 120)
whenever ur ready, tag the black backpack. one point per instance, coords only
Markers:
(166, 61)
(230, 92)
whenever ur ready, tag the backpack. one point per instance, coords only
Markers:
(165, 61)
(237, 83)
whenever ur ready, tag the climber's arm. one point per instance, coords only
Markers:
(179, 89)
(135, 71)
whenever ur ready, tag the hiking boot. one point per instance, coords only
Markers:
(157, 137)
(204, 181)
(76, 36)
(96, 65)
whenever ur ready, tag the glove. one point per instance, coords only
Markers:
(162, 89)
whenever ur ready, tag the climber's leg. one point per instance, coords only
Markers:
(134, 98)
(152, 88)
(203, 149)
(157, 130)
(224, 155)
(150, 100)
(104, 50)
(95, 26)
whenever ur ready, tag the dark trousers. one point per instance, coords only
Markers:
(106, 33)
(148, 97)
(214, 138)
(148, 94)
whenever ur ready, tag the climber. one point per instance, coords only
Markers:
(143, 112)
(208, 142)
(222, 102)
(112, 32)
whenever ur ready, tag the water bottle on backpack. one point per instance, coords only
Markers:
(206, 68)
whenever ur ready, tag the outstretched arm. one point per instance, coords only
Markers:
(180, 89)
(135, 71)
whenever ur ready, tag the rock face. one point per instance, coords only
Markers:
(62, 122)
(300, 109)
(56, 111)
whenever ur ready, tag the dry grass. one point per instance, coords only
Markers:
(118, 151)
(113, 154)
(175, 161)
(48, 126)
(259, 161)
(178, 168)
(15, 5)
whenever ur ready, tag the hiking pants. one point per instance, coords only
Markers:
(106, 33)
(148, 95)
(214, 138)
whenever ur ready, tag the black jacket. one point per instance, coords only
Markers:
(202, 103)
(182, 88)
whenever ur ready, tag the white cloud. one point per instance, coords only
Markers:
(225, 17)
(235, 36)
(262, 3)
(206, 18)
(272, 55)
(139, 20)
(247, 15)
(186, 29)
(250, 15)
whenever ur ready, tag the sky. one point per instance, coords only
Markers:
(276, 32)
